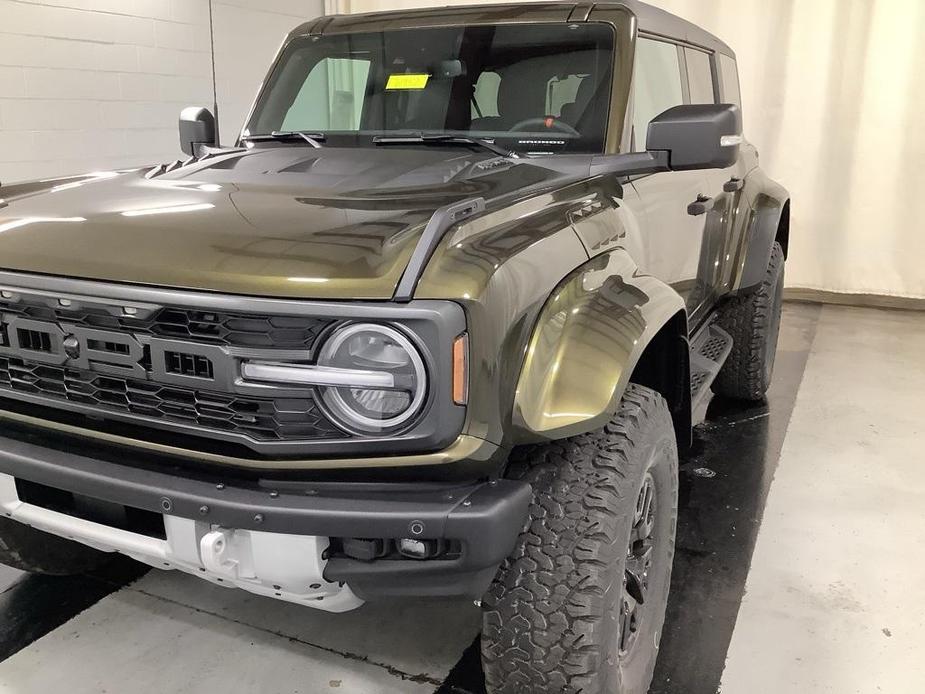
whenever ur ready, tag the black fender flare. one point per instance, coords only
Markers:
(768, 220)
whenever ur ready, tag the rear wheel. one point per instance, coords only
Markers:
(753, 321)
(28, 549)
(580, 604)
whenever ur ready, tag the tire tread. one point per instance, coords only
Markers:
(749, 319)
(542, 616)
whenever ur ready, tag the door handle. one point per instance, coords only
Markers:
(700, 206)
(733, 185)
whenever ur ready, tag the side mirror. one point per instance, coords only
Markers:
(683, 138)
(197, 129)
(697, 136)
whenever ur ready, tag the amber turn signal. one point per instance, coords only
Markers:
(461, 369)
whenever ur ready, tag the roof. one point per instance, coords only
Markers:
(651, 19)
(659, 21)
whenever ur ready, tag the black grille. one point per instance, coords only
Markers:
(212, 327)
(264, 419)
(34, 340)
(106, 346)
(188, 364)
(284, 332)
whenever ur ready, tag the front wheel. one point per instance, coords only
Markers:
(580, 604)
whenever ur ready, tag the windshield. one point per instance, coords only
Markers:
(530, 88)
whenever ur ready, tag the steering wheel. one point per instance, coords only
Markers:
(544, 123)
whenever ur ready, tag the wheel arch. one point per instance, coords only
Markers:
(768, 221)
(664, 366)
(783, 229)
(603, 327)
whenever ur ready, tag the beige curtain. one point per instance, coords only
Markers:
(834, 98)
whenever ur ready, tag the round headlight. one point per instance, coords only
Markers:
(374, 348)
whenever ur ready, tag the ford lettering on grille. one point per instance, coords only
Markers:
(173, 368)
(117, 353)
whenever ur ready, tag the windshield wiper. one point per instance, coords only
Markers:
(443, 139)
(314, 139)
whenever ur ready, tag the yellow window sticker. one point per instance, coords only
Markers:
(407, 81)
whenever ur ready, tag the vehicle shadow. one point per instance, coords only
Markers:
(722, 493)
(34, 605)
(724, 486)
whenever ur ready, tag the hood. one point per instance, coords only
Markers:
(277, 220)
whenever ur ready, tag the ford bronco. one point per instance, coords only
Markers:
(437, 324)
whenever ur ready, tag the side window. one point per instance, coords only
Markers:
(331, 98)
(699, 76)
(657, 84)
(485, 96)
(729, 76)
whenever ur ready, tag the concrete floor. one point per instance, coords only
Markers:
(835, 594)
(832, 599)
(8, 577)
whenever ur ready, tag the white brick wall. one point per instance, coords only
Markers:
(239, 70)
(98, 84)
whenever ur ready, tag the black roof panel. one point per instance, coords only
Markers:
(651, 19)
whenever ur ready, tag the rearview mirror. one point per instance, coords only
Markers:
(683, 138)
(197, 129)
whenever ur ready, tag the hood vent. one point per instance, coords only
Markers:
(207, 153)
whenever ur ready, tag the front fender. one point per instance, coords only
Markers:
(588, 338)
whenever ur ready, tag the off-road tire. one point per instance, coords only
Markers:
(28, 549)
(551, 617)
(753, 321)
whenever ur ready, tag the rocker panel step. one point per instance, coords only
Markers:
(709, 351)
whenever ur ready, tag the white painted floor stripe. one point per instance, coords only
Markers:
(834, 600)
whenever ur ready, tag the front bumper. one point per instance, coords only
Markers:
(270, 538)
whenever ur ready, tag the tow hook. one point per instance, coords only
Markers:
(215, 551)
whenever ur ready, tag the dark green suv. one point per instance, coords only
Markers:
(436, 325)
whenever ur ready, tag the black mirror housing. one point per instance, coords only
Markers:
(697, 136)
(197, 129)
(683, 138)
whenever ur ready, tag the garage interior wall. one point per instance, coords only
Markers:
(833, 95)
(98, 84)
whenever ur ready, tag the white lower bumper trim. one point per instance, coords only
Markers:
(285, 567)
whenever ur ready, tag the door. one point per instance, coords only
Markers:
(674, 239)
(724, 212)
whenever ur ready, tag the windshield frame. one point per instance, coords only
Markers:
(619, 48)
